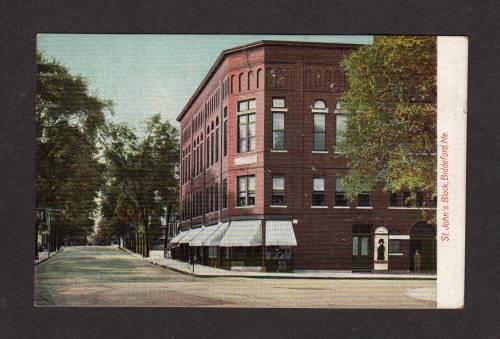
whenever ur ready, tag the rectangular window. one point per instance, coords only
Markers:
(212, 144)
(208, 151)
(279, 103)
(364, 246)
(433, 201)
(394, 199)
(339, 131)
(246, 132)
(278, 131)
(207, 200)
(216, 144)
(354, 246)
(246, 191)
(224, 193)
(419, 199)
(319, 132)
(318, 195)
(278, 196)
(216, 197)
(225, 138)
(364, 199)
(340, 197)
(406, 199)
(246, 105)
(394, 246)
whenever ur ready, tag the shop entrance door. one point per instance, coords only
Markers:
(362, 256)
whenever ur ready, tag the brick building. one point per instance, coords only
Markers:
(260, 171)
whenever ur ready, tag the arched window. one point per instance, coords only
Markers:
(259, 76)
(328, 79)
(249, 80)
(307, 76)
(240, 79)
(217, 121)
(317, 80)
(232, 83)
(319, 104)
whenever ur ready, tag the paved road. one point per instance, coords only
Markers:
(105, 276)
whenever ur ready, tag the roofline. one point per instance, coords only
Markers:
(255, 44)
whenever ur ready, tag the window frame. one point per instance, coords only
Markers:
(317, 133)
(316, 193)
(360, 199)
(278, 192)
(340, 195)
(277, 131)
(248, 194)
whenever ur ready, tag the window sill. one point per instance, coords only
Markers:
(319, 206)
(342, 207)
(364, 207)
(279, 151)
(411, 208)
(320, 152)
(279, 109)
(396, 254)
(250, 206)
(278, 206)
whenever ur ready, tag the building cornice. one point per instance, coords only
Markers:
(225, 53)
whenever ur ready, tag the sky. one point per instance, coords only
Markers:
(145, 74)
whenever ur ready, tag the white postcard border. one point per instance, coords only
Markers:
(452, 59)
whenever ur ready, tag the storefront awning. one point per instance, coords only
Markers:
(203, 236)
(178, 237)
(215, 238)
(190, 236)
(243, 233)
(280, 233)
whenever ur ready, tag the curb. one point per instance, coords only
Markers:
(52, 256)
(138, 256)
(215, 275)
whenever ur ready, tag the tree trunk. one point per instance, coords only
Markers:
(36, 240)
(136, 245)
(169, 208)
(146, 235)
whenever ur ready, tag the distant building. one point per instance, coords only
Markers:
(260, 171)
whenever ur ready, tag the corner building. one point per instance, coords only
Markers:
(260, 171)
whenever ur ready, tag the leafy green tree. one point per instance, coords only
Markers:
(146, 172)
(391, 115)
(68, 172)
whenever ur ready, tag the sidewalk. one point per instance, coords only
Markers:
(208, 271)
(44, 255)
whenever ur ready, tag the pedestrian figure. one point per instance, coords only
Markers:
(417, 259)
(381, 250)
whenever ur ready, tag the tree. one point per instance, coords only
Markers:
(68, 172)
(145, 171)
(391, 115)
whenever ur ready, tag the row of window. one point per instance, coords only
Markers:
(205, 203)
(247, 119)
(250, 82)
(246, 195)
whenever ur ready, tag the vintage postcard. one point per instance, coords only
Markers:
(250, 171)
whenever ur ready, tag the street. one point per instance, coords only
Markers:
(107, 276)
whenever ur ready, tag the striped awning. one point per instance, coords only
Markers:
(203, 236)
(280, 233)
(243, 233)
(215, 238)
(178, 237)
(191, 235)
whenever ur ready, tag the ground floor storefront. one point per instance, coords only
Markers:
(282, 246)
